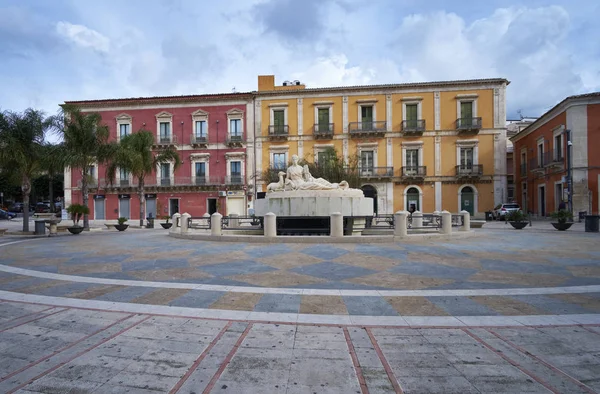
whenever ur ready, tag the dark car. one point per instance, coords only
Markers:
(7, 215)
(17, 207)
(40, 207)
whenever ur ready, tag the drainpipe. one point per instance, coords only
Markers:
(569, 170)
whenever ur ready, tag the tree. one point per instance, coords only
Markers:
(53, 162)
(85, 142)
(135, 155)
(21, 152)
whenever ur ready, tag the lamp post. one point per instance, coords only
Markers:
(569, 171)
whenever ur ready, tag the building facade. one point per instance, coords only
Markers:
(426, 146)
(214, 138)
(540, 153)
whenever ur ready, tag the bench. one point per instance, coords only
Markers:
(44, 216)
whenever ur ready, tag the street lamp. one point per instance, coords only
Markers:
(569, 171)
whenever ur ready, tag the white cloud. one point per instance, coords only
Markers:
(83, 36)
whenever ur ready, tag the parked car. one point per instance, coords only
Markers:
(40, 207)
(7, 215)
(504, 209)
(17, 207)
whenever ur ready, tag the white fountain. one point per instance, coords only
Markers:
(304, 203)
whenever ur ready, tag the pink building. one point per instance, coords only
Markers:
(211, 134)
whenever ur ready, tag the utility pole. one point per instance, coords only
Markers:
(569, 170)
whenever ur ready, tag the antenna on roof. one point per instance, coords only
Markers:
(520, 112)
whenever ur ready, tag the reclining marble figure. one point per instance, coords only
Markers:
(300, 178)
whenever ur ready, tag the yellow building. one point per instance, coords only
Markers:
(428, 146)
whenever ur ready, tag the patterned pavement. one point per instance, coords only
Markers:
(494, 259)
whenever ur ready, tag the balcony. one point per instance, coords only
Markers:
(323, 131)
(234, 141)
(468, 124)
(554, 159)
(469, 171)
(367, 129)
(523, 170)
(165, 140)
(92, 184)
(279, 132)
(124, 183)
(413, 172)
(413, 127)
(199, 141)
(234, 180)
(537, 165)
(375, 172)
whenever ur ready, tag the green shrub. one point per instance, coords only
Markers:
(517, 216)
(562, 216)
(122, 220)
(77, 211)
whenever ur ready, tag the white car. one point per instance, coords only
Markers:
(505, 209)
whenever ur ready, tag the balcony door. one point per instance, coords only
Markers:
(411, 116)
(165, 132)
(466, 113)
(235, 129)
(466, 159)
(200, 130)
(165, 174)
(366, 112)
(279, 121)
(323, 120)
(366, 162)
(200, 173)
(412, 161)
(236, 172)
(279, 161)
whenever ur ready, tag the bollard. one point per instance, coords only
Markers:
(400, 224)
(437, 213)
(185, 222)
(417, 219)
(176, 223)
(336, 226)
(466, 221)
(234, 221)
(53, 228)
(216, 228)
(446, 222)
(270, 225)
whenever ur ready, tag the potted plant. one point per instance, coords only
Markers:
(166, 225)
(121, 226)
(77, 211)
(517, 219)
(563, 218)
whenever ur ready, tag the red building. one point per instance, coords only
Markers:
(211, 134)
(540, 155)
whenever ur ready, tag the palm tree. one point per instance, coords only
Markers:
(135, 155)
(21, 139)
(85, 141)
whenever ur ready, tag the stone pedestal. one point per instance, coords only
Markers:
(466, 221)
(417, 219)
(446, 222)
(185, 222)
(215, 224)
(337, 225)
(400, 224)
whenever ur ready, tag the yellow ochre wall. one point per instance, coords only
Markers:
(379, 106)
(427, 105)
(485, 107)
(292, 115)
(308, 112)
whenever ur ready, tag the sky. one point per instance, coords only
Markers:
(61, 50)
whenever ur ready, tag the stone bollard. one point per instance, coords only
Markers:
(401, 224)
(216, 228)
(437, 213)
(185, 222)
(234, 221)
(336, 225)
(53, 228)
(417, 219)
(466, 221)
(270, 225)
(446, 222)
(175, 228)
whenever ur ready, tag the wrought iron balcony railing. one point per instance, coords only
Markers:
(323, 130)
(416, 126)
(279, 130)
(165, 139)
(413, 171)
(376, 172)
(470, 170)
(468, 124)
(198, 139)
(367, 127)
(234, 180)
(234, 140)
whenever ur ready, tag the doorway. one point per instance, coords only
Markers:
(412, 200)
(173, 206)
(467, 199)
(124, 211)
(151, 208)
(99, 210)
(211, 205)
(370, 192)
(542, 200)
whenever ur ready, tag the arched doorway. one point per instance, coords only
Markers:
(413, 199)
(370, 192)
(467, 200)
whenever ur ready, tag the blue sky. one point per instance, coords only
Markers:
(52, 51)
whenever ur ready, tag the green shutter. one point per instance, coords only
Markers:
(367, 113)
(466, 110)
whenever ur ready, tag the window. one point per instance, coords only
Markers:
(92, 172)
(201, 129)
(366, 161)
(235, 128)
(200, 173)
(279, 121)
(466, 158)
(466, 113)
(540, 154)
(165, 174)
(236, 171)
(323, 119)
(411, 115)
(123, 177)
(279, 161)
(366, 112)
(123, 130)
(558, 147)
(412, 159)
(165, 131)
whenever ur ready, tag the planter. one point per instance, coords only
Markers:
(519, 225)
(75, 230)
(166, 226)
(121, 227)
(562, 226)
